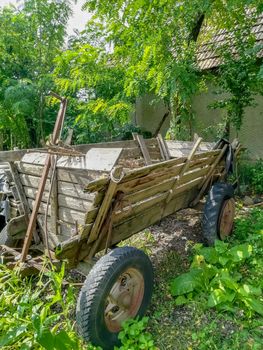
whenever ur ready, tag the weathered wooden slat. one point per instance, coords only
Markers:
(77, 176)
(53, 239)
(156, 177)
(33, 181)
(20, 191)
(31, 193)
(65, 229)
(105, 205)
(71, 216)
(143, 147)
(69, 248)
(149, 202)
(67, 188)
(74, 203)
(42, 207)
(163, 147)
(137, 223)
(74, 190)
(148, 192)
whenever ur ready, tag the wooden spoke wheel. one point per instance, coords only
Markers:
(226, 218)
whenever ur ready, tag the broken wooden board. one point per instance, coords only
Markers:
(179, 149)
(98, 159)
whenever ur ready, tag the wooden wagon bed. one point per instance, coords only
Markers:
(108, 192)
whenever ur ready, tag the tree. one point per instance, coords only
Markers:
(156, 43)
(29, 41)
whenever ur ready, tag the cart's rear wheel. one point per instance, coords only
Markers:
(219, 212)
(118, 287)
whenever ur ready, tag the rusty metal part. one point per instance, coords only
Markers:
(32, 222)
(124, 299)
(226, 218)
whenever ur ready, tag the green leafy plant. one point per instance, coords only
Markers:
(219, 274)
(134, 337)
(251, 176)
(35, 313)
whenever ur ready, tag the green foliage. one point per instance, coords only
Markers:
(134, 335)
(30, 39)
(251, 176)
(219, 274)
(238, 75)
(35, 314)
(38, 313)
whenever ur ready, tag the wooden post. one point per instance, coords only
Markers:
(184, 169)
(163, 147)
(205, 182)
(116, 177)
(143, 148)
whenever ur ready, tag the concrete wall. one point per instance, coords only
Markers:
(149, 113)
(208, 122)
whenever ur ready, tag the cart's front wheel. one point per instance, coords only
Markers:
(219, 212)
(118, 287)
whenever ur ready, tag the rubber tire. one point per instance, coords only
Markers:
(5, 239)
(217, 195)
(91, 301)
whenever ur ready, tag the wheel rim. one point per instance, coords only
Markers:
(124, 299)
(226, 218)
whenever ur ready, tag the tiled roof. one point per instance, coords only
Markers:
(207, 56)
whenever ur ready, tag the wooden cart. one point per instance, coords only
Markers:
(98, 195)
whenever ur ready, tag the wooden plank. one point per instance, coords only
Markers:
(149, 202)
(163, 147)
(143, 148)
(70, 248)
(75, 203)
(95, 159)
(33, 181)
(165, 185)
(204, 184)
(16, 227)
(74, 190)
(53, 239)
(78, 176)
(184, 169)
(31, 193)
(154, 178)
(138, 223)
(71, 216)
(137, 173)
(102, 159)
(105, 206)
(66, 188)
(42, 206)
(20, 190)
(65, 229)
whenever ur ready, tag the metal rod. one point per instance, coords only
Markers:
(43, 180)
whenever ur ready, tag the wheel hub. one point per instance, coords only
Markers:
(124, 299)
(226, 218)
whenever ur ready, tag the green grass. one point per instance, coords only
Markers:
(38, 312)
(194, 325)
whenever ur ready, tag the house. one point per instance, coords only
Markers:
(148, 115)
(207, 120)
